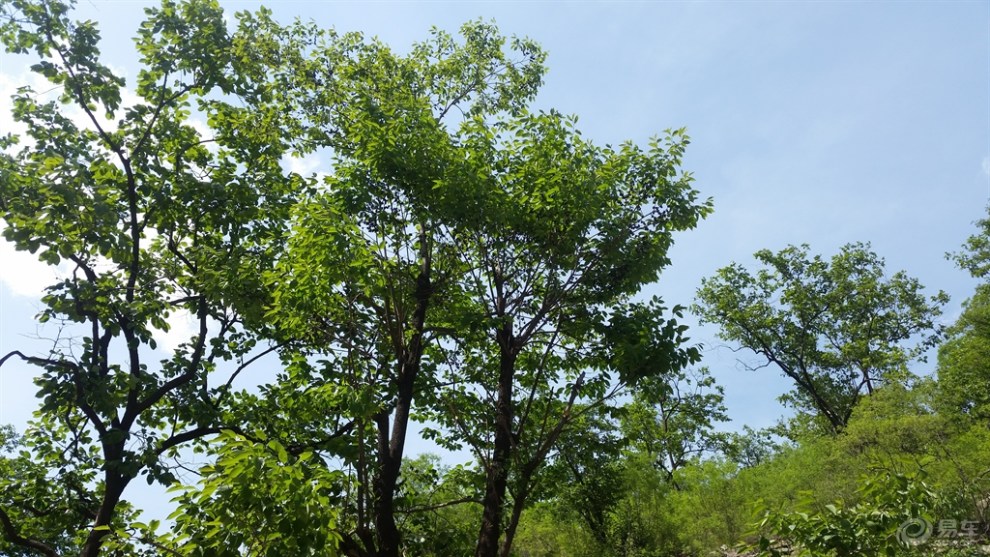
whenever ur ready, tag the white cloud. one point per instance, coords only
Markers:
(181, 327)
(303, 166)
(986, 165)
(45, 92)
(8, 86)
(310, 165)
(22, 273)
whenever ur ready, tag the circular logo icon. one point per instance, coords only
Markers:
(914, 531)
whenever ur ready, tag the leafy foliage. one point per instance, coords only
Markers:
(258, 500)
(963, 357)
(151, 223)
(837, 329)
(672, 420)
(891, 519)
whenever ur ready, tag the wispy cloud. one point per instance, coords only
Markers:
(181, 327)
(22, 273)
(304, 166)
(986, 165)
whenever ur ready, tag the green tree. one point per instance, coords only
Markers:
(584, 480)
(672, 419)
(372, 267)
(150, 222)
(573, 232)
(963, 368)
(644, 482)
(837, 328)
(463, 255)
(975, 256)
(33, 509)
(850, 489)
(439, 506)
(452, 262)
(751, 447)
(963, 371)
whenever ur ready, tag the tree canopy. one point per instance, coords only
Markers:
(837, 328)
(150, 220)
(462, 260)
(964, 357)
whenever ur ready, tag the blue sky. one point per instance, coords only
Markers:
(812, 122)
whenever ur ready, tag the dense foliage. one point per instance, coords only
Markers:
(459, 261)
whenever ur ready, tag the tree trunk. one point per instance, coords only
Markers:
(390, 451)
(114, 485)
(391, 447)
(386, 532)
(510, 531)
(498, 470)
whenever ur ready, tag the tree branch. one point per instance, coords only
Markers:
(424, 508)
(11, 533)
